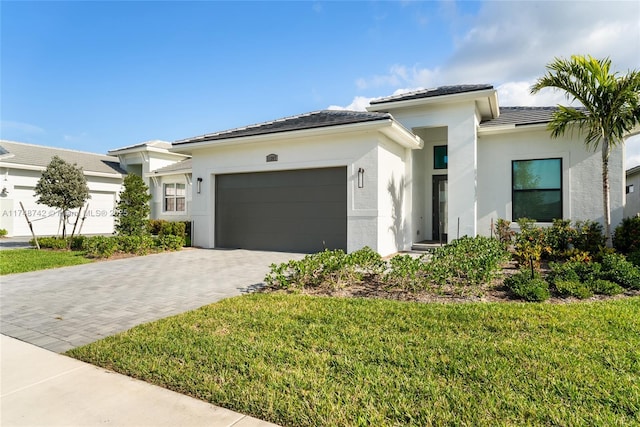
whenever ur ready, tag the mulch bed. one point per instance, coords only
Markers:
(491, 292)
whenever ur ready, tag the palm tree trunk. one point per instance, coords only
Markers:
(605, 193)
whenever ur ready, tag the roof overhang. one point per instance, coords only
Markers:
(511, 128)
(486, 102)
(42, 168)
(169, 173)
(389, 127)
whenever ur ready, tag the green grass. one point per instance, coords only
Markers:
(23, 260)
(306, 361)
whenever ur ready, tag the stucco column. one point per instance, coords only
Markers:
(462, 172)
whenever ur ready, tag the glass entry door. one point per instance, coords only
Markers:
(440, 212)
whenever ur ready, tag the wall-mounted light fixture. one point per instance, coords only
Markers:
(199, 185)
(4, 192)
(360, 178)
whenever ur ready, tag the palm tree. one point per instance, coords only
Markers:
(611, 108)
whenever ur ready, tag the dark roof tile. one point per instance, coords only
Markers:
(521, 116)
(316, 119)
(430, 93)
(38, 155)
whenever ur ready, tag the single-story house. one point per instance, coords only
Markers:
(632, 190)
(21, 167)
(167, 174)
(430, 165)
(434, 164)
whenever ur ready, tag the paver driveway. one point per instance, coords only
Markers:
(67, 307)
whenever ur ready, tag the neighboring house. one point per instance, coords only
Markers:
(167, 175)
(632, 190)
(21, 167)
(434, 164)
(169, 184)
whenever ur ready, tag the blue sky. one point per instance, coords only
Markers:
(95, 76)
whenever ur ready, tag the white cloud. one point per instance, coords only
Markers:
(359, 103)
(508, 44)
(519, 94)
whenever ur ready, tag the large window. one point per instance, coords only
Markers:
(537, 189)
(174, 197)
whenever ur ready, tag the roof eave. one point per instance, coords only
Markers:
(187, 147)
(511, 128)
(168, 173)
(145, 149)
(440, 99)
(402, 136)
(41, 168)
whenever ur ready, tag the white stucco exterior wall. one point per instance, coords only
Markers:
(20, 185)
(632, 206)
(461, 123)
(581, 175)
(351, 150)
(394, 198)
(156, 189)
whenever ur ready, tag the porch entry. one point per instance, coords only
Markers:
(440, 195)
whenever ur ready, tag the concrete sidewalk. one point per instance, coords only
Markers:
(42, 388)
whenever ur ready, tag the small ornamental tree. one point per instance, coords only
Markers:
(132, 210)
(62, 186)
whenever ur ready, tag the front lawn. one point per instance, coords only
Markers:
(299, 360)
(23, 260)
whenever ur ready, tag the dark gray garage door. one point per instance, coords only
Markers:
(299, 211)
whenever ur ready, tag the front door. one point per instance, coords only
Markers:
(439, 200)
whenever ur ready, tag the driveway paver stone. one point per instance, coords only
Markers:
(63, 308)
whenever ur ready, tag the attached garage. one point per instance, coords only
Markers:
(297, 210)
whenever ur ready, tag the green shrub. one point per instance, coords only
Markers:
(504, 233)
(171, 228)
(573, 288)
(530, 245)
(169, 242)
(528, 288)
(466, 261)
(50, 242)
(617, 269)
(588, 237)
(365, 262)
(139, 245)
(155, 225)
(605, 287)
(100, 246)
(626, 236)
(573, 271)
(77, 242)
(3, 232)
(559, 237)
(634, 258)
(406, 273)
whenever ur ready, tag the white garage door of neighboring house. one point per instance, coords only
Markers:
(298, 211)
(46, 220)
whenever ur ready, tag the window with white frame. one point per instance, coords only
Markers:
(537, 189)
(174, 197)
